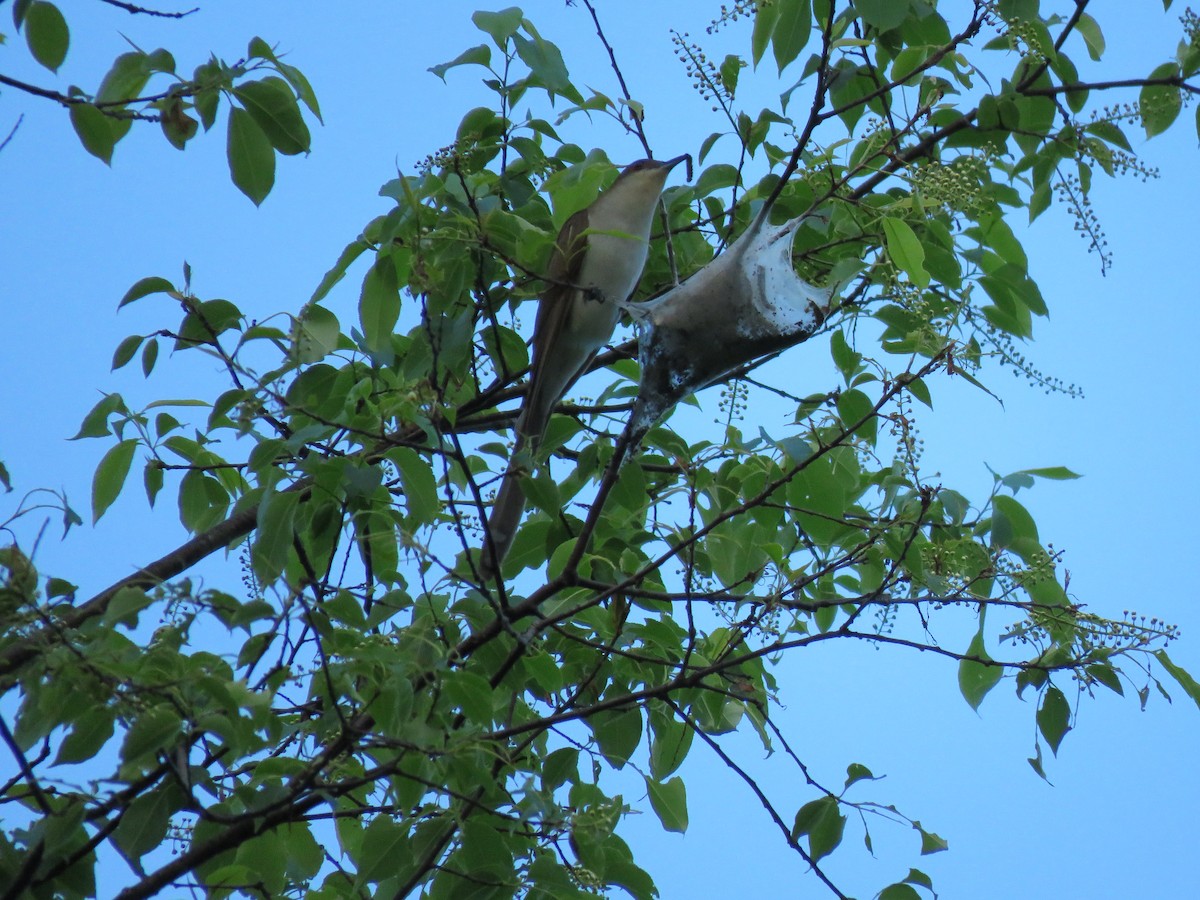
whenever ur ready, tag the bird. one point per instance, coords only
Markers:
(594, 268)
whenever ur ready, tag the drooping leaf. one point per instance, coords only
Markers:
(976, 676)
(125, 79)
(275, 536)
(930, 842)
(272, 104)
(153, 730)
(793, 25)
(110, 476)
(618, 732)
(883, 14)
(905, 250)
(251, 159)
(1181, 676)
(315, 334)
(95, 131)
(1054, 717)
(899, 891)
(1160, 103)
(46, 34)
(499, 26)
(1089, 30)
(420, 485)
(89, 733)
(379, 303)
(822, 820)
(478, 56)
(669, 800)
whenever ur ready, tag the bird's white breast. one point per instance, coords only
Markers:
(616, 255)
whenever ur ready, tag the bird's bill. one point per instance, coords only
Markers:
(672, 163)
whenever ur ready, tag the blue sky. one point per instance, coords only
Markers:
(1117, 822)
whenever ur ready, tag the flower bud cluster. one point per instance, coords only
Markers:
(706, 79)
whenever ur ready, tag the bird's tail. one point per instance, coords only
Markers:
(505, 517)
(544, 393)
(509, 505)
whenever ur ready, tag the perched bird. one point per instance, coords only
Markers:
(595, 266)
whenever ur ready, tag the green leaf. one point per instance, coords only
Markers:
(930, 842)
(485, 854)
(823, 822)
(669, 744)
(95, 131)
(95, 423)
(883, 14)
(89, 733)
(383, 844)
(765, 18)
(791, 30)
(420, 484)
(916, 876)
(251, 159)
(560, 765)
(905, 250)
(472, 693)
(1035, 762)
(110, 477)
(858, 772)
(1054, 473)
(618, 732)
(1110, 133)
(46, 34)
(1181, 676)
(125, 605)
(899, 891)
(477, 56)
(379, 304)
(146, 286)
(1160, 104)
(714, 178)
(149, 356)
(975, 676)
(145, 821)
(205, 322)
(353, 251)
(56, 587)
(152, 479)
(845, 358)
(272, 104)
(1090, 31)
(499, 26)
(1013, 528)
(669, 801)
(855, 406)
(153, 730)
(1054, 717)
(545, 61)
(276, 534)
(126, 350)
(1107, 676)
(20, 8)
(315, 334)
(125, 80)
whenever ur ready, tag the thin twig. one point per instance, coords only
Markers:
(143, 11)
(4, 143)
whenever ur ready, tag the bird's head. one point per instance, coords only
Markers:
(652, 173)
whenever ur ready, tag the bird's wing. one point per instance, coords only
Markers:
(553, 317)
(545, 385)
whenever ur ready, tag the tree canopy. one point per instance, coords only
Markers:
(356, 710)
